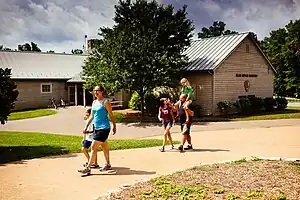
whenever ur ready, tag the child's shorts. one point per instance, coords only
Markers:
(86, 144)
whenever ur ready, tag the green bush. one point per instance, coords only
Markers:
(281, 103)
(244, 105)
(256, 104)
(135, 101)
(249, 104)
(224, 107)
(269, 103)
(151, 102)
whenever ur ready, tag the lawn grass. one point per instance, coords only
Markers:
(291, 100)
(16, 146)
(289, 113)
(249, 180)
(30, 114)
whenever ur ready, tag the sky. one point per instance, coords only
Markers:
(61, 25)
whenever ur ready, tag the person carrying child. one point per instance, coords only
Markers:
(165, 115)
(187, 90)
(184, 124)
(88, 139)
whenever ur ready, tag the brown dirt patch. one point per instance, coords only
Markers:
(238, 180)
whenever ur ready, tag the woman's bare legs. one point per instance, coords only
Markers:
(93, 157)
(105, 149)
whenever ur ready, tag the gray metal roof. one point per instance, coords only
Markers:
(78, 78)
(207, 54)
(33, 65)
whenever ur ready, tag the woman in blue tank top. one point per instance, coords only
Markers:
(101, 115)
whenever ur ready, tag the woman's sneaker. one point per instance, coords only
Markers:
(86, 171)
(106, 167)
(188, 147)
(172, 147)
(94, 165)
(162, 149)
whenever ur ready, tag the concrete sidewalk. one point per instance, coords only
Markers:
(57, 178)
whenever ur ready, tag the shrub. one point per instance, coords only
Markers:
(281, 103)
(243, 104)
(249, 104)
(256, 104)
(224, 107)
(151, 102)
(269, 103)
(135, 101)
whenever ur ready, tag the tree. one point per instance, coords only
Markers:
(4, 48)
(143, 50)
(29, 47)
(8, 94)
(34, 47)
(217, 29)
(77, 51)
(281, 47)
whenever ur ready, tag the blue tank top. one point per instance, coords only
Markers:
(101, 120)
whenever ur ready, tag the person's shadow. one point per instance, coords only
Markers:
(124, 171)
(202, 150)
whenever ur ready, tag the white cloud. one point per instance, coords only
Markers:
(254, 15)
(53, 24)
(60, 25)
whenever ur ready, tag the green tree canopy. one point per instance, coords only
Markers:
(217, 29)
(77, 51)
(29, 47)
(143, 50)
(8, 94)
(281, 46)
(5, 48)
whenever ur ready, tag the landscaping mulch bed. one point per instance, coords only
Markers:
(241, 179)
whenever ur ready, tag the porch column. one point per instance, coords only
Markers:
(76, 100)
(84, 100)
(69, 95)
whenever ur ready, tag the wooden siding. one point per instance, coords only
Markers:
(203, 91)
(229, 87)
(30, 95)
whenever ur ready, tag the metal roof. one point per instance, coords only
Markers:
(34, 65)
(206, 54)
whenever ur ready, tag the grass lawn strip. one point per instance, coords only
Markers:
(289, 113)
(16, 146)
(30, 114)
(242, 179)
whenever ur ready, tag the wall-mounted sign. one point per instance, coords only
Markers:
(246, 75)
(247, 85)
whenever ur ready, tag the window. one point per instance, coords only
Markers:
(46, 88)
(247, 48)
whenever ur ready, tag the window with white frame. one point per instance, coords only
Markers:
(46, 88)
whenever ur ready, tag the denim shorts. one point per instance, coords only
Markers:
(101, 135)
(86, 144)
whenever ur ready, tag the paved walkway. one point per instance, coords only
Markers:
(57, 178)
(70, 121)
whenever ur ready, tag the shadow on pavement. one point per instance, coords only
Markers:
(9, 154)
(207, 150)
(126, 171)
